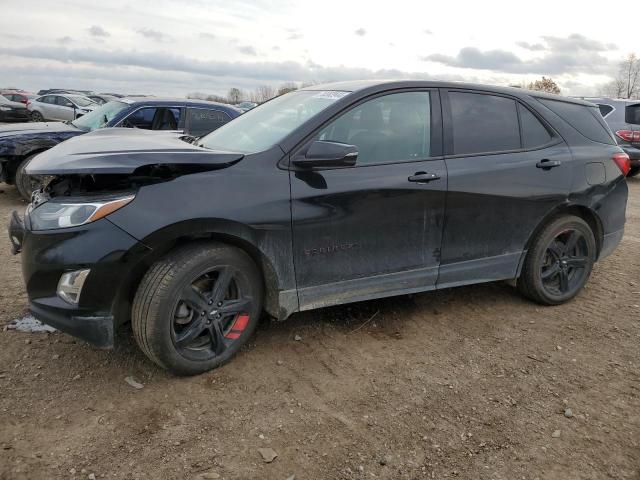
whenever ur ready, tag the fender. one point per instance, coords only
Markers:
(280, 302)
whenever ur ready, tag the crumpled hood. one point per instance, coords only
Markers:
(122, 151)
(34, 128)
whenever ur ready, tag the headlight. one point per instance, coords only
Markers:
(66, 213)
(5, 108)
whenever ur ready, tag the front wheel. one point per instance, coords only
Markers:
(25, 183)
(196, 307)
(559, 261)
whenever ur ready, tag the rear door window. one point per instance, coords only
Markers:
(534, 133)
(582, 118)
(201, 121)
(483, 123)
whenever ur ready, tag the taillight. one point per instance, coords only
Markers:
(629, 135)
(623, 162)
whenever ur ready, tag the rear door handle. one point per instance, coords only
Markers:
(423, 177)
(548, 164)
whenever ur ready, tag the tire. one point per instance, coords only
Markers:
(36, 116)
(554, 272)
(165, 319)
(26, 184)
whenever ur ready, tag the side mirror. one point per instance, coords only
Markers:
(328, 154)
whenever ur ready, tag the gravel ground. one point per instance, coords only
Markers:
(470, 383)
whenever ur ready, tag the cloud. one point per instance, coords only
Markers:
(248, 50)
(572, 54)
(253, 73)
(153, 34)
(535, 47)
(98, 31)
(65, 40)
(427, 32)
(207, 35)
(295, 36)
(360, 32)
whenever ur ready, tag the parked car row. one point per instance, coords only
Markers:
(21, 142)
(322, 196)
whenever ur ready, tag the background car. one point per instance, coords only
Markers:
(12, 111)
(18, 96)
(19, 143)
(101, 98)
(623, 117)
(63, 108)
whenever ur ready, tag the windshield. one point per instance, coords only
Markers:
(267, 124)
(81, 101)
(99, 117)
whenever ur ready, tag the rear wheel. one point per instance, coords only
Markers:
(559, 262)
(36, 117)
(196, 307)
(25, 183)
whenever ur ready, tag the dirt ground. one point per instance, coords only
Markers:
(470, 383)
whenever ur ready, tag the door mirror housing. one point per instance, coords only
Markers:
(328, 154)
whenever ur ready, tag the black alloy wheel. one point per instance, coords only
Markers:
(559, 261)
(211, 313)
(565, 264)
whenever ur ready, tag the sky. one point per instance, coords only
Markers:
(177, 47)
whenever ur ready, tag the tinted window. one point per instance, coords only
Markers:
(142, 118)
(154, 118)
(48, 99)
(632, 114)
(394, 127)
(201, 121)
(581, 118)
(605, 109)
(534, 133)
(483, 123)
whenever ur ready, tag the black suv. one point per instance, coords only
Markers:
(326, 195)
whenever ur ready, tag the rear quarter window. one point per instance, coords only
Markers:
(582, 118)
(605, 109)
(534, 133)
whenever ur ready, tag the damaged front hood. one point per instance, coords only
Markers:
(123, 151)
(34, 128)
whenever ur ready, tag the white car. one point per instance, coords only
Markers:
(60, 107)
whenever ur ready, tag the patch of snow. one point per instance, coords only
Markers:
(30, 324)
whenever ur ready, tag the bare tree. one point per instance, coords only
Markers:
(235, 95)
(545, 85)
(262, 94)
(626, 84)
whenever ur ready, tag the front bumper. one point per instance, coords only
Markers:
(111, 254)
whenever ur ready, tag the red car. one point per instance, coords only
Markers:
(18, 96)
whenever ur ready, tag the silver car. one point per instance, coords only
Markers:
(60, 107)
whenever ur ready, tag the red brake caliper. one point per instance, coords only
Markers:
(239, 324)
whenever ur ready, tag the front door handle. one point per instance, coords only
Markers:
(423, 177)
(547, 164)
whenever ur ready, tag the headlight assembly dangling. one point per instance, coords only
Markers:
(64, 214)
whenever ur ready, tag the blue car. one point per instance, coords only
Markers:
(20, 142)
